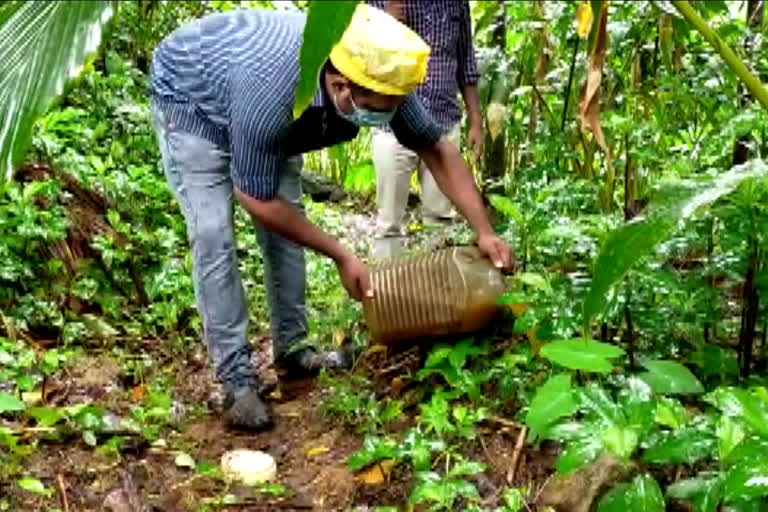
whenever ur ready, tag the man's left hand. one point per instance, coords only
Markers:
(497, 250)
(475, 139)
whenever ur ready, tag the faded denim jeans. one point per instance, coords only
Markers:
(198, 172)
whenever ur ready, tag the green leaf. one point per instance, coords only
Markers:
(631, 242)
(670, 377)
(578, 453)
(553, 401)
(621, 441)
(704, 494)
(507, 208)
(623, 248)
(373, 450)
(34, 486)
(44, 44)
(729, 435)
(747, 481)
(326, 23)
(586, 355)
(744, 404)
(642, 495)
(466, 467)
(533, 280)
(595, 399)
(9, 403)
(670, 413)
(713, 360)
(683, 446)
(46, 416)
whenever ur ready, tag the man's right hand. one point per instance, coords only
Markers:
(354, 276)
(396, 9)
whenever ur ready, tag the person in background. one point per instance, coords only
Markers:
(222, 92)
(446, 26)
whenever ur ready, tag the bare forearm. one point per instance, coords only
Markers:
(472, 104)
(456, 182)
(283, 218)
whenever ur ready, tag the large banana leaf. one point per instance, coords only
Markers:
(326, 23)
(43, 43)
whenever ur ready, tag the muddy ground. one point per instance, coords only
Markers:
(310, 449)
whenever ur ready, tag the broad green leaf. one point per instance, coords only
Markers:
(507, 207)
(670, 377)
(631, 242)
(586, 355)
(729, 434)
(9, 403)
(637, 404)
(621, 441)
(713, 360)
(670, 413)
(533, 280)
(744, 404)
(595, 399)
(704, 494)
(683, 446)
(623, 248)
(326, 23)
(641, 495)
(513, 500)
(42, 45)
(34, 486)
(750, 450)
(578, 453)
(747, 481)
(373, 450)
(553, 401)
(46, 416)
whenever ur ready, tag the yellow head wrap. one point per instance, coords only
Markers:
(380, 53)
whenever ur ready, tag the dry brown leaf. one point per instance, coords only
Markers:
(317, 450)
(589, 102)
(377, 473)
(138, 392)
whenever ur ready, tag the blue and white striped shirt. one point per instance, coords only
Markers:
(230, 77)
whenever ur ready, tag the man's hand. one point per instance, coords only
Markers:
(396, 9)
(475, 139)
(497, 250)
(354, 277)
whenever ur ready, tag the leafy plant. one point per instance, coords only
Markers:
(44, 44)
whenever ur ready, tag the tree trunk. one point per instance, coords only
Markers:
(494, 161)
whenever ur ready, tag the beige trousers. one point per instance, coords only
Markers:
(394, 166)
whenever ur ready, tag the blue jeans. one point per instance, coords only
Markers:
(198, 172)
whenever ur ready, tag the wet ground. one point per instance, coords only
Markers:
(310, 449)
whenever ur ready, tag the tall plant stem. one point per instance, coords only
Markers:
(752, 83)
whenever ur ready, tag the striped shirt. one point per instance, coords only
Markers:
(230, 78)
(446, 26)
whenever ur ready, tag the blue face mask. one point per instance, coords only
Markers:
(365, 117)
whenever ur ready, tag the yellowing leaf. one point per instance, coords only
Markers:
(317, 450)
(519, 308)
(495, 115)
(584, 19)
(377, 473)
(338, 337)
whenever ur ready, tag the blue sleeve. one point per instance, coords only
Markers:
(413, 126)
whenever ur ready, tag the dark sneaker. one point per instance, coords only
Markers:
(246, 410)
(308, 362)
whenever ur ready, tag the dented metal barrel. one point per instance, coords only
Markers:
(449, 291)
